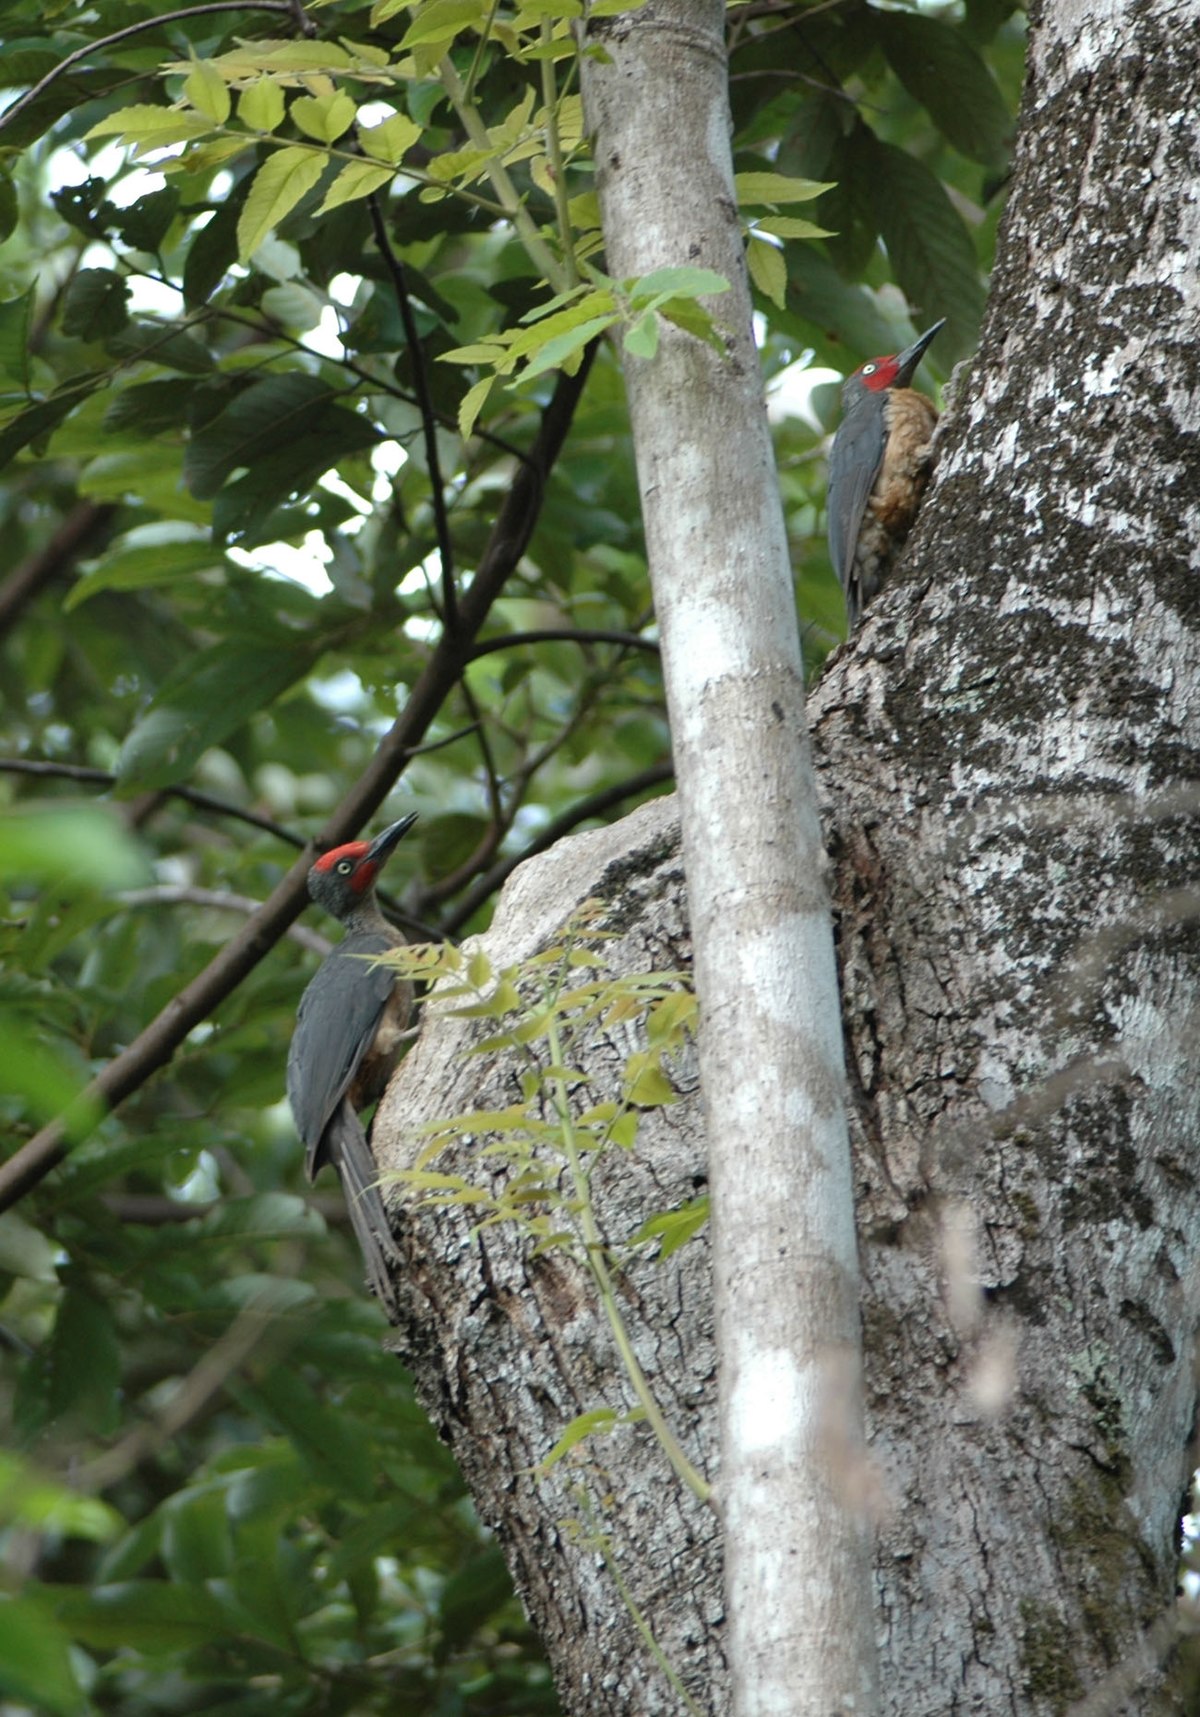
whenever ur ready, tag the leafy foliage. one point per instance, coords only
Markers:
(279, 316)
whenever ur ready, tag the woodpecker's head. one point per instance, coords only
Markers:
(896, 371)
(342, 880)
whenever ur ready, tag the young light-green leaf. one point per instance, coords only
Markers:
(563, 346)
(208, 92)
(284, 177)
(391, 140)
(776, 188)
(260, 106)
(150, 127)
(324, 118)
(356, 179)
(768, 270)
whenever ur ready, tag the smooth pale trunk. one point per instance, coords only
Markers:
(785, 1263)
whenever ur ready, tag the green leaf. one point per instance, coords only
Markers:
(324, 117)
(213, 250)
(675, 282)
(284, 178)
(558, 350)
(768, 270)
(40, 1079)
(15, 316)
(10, 207)
(162, 343)
(84, 1362)
(146, 222)
(207, 698)
(472, 404)
(329, 1441)
(390, 141)
(96, 304)
(646, 1085)
(261, 105)
(927, 242)
(285, 412)
(472, 1596)
(356, 179)
(694, 319)
(642, 337)
(208, 92)
(35, 1659)
(840, 321)
(38, 1504)
(674, 1228)
(786, 226)
(197, 1542)
(141, 565)
(599, 1419)
(145, 128)
(50, 845)
(151, 1616)
(770, 188)
(940, 69)
(442, 21)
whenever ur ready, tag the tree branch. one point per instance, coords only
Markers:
(157, 1042)
(138, 29)
(38, 568)
(193, 795)
(425, 405)
(558, 635)
(218, 900)
(595, 805)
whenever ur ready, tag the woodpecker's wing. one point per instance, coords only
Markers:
(854, 461)
(335, 1027)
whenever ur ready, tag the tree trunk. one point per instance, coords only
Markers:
(785, 1266)
(1008, 757)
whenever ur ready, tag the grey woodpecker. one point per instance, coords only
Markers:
(347, 1039)
(878, 470)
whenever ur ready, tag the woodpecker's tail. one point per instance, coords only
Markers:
(345, 1146)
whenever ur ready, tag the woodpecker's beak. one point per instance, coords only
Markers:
(911, 356)
(384, 845)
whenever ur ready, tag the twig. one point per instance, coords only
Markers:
(536, 248)
(593, 806)
(554, 154)
(425, 405)
(168, 894)
(156, 1043)
(140, 28)
(193, 795)
(555, 635)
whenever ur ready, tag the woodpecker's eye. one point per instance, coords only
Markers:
(345, 867)
(869, 369)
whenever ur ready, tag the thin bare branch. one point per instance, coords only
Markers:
(595, 805)
(207, 6)
(428, 416)
(561, 635)
(85, 520)
(193, 795)
(220, 900)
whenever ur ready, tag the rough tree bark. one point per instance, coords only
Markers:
(1008, 755)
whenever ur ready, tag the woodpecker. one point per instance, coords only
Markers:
(878, 470)
(347, 1039)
